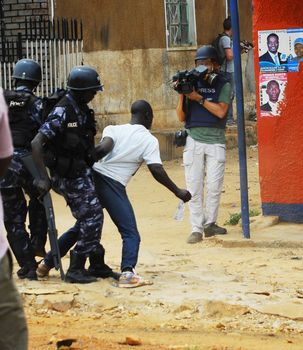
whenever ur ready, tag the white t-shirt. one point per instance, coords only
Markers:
(225, 42)
(133, 145)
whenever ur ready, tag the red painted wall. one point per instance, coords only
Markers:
(280, 139)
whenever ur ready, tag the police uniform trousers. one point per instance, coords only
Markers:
(17, 181)
(85, 206)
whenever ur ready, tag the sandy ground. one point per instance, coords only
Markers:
(225, 293)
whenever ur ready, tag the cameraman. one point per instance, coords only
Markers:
(204, 113)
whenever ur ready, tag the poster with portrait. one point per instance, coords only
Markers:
(295, 39)
(280, 50)
(273, 48)
(272, 88)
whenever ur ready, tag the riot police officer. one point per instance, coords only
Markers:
(65, 144)
(25, 111)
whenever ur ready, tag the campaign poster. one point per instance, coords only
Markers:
(295, 49)
(272, 88)
(280, 50)
(273, 48)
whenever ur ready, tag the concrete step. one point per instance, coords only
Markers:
(169, 151)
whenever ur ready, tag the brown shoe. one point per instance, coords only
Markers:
(42, 270)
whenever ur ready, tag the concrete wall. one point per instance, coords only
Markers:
(280, 138)
(140, 24)
(142, 74)
(125, 41)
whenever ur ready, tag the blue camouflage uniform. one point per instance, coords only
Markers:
(17, 181)
(70, 130)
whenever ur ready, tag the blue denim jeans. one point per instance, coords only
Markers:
(113, 197)
(66, 241)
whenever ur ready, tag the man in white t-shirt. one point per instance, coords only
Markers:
(13, 329)
(122, 150)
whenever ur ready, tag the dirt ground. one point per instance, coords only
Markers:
(225, 293)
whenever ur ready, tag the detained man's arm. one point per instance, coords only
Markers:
(104, 147)
(161, 176)
(43, 184)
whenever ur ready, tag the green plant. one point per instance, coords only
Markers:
(234, 218)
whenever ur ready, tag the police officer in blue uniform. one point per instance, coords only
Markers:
(65, 144)
(25, 111)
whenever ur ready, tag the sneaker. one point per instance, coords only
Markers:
(194, 237)
(42, 270)
(213, 229)
(129, 279)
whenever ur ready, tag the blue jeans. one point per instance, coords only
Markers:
(113, 197)
(66, 241)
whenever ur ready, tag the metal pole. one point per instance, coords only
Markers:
(240, 119)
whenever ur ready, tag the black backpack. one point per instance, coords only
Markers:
(50, 102)
(215, 44)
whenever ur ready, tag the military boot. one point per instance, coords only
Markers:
(76, 272)
(28, 270)
(23, 251)
(97, 266)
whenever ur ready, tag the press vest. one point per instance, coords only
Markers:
(71, 151)
(23, 127)
(199, 116)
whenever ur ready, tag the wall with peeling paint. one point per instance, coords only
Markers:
(280, 139)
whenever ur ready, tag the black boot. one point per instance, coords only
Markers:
(97, 266)
(28, 270)
(76, 272)
(23, 251)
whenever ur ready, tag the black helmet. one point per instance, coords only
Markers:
(207, 51)
(27, 69)
(84, 78)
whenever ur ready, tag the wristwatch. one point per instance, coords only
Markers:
(201, 102)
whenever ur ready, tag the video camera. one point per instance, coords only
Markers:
(246, 45)
(185, 81)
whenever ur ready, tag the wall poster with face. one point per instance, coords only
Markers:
(280, 50)
(295, 49)
(271, 93)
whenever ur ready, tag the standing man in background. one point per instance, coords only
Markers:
(13, 329)
(225, 48)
